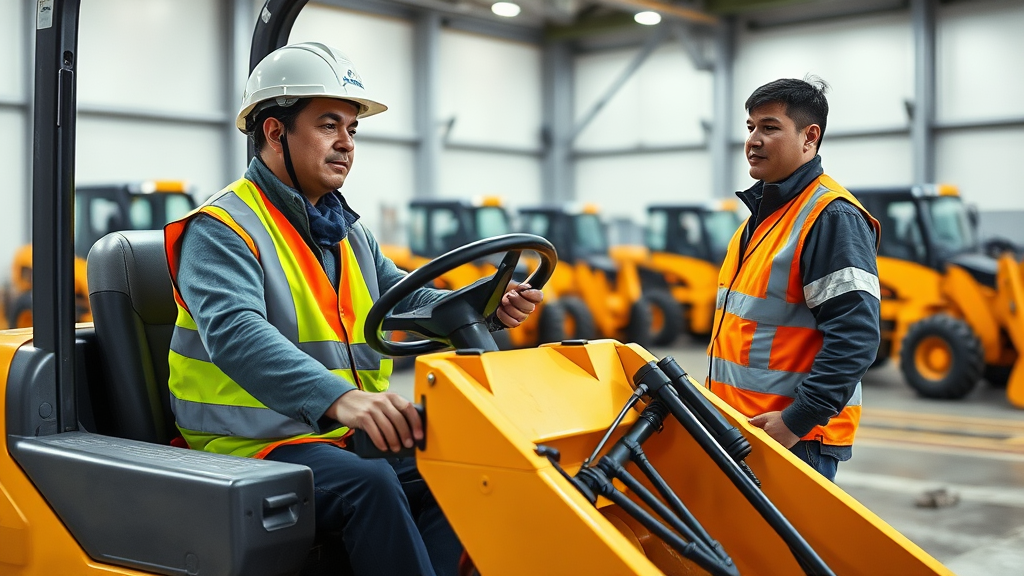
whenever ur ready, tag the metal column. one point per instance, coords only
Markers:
(239, 20)
(558, 171)
(426, 58)
(721, 125)
(922, 14)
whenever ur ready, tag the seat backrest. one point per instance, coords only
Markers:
(134, 312)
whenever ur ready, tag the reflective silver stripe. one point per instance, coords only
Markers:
(366, 358)
(720, 298)
(771, 311)
(367, 266)
(333, 355)
(761, 380)
(840, 282)
(189, 344)
(782, 263)
(777, 382)
(760, 352)
(278, 296)
(245, 421)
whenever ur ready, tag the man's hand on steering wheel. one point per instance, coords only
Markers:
(517, 304)
(390, 420)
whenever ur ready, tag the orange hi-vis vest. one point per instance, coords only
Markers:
(767, 338)
(213, 412)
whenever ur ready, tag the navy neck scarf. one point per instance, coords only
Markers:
(327, 224)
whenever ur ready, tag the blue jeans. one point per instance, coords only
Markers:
(822, 457)
(389, 520)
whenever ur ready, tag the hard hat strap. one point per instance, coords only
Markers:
(288, 162)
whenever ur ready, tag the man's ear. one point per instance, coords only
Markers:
(812, 136)
(272, 130)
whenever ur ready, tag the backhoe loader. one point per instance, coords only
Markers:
(607, 281)
(572, 458)
(687, 244)
(99, 210)
(949, 312)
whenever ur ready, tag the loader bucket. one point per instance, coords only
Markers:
(517, 513)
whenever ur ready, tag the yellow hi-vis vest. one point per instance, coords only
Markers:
(211, 410)
(766, 338)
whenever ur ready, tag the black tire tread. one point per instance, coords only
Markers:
(968, 357)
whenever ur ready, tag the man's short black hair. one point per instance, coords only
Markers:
(287, 116)
(804, 100)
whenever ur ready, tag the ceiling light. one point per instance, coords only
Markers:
(506, 9)
(647, 18)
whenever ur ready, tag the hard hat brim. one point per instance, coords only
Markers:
(367, 108)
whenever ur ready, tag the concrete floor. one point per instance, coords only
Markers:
(907, 446)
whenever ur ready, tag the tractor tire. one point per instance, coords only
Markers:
(641, 318)
(579, 321)
(552, 324)
(941, 357)
(666, 317)
(20, 313)
(997, 376)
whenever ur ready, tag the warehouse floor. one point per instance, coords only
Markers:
(949, 475)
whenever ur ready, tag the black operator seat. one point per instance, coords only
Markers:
(134, 313)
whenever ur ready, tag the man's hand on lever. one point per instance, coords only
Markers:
(388, 419)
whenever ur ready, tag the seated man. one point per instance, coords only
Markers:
(273, 279)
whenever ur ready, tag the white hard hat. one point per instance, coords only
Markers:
(306, 70)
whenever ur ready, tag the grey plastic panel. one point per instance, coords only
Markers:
(170, 510)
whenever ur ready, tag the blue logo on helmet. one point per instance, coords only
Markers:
(352, 78)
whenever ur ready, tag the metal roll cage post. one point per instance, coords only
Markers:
(273, 27)
(723, 443)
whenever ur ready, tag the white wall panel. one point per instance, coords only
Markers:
(158, 54)
(381, 176)
(12, 46)
(623, 186)
(492, 88)
(382, 51)
(857, 162)
(980, 74)
(663, 102)
(465, 174)
(867, 61)
(862, 162)
(118, 151)
(977, 162)
(14, 222)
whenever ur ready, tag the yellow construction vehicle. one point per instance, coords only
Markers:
(607, 282)
(566, 459)
(687, 244)
(437, 226)
(949, 312)
(99, 210)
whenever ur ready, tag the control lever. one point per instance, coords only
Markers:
(362, 446)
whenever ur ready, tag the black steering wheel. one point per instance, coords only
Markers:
(458, 320)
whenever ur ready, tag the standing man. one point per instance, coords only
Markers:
(796, 324)
(273, 279)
